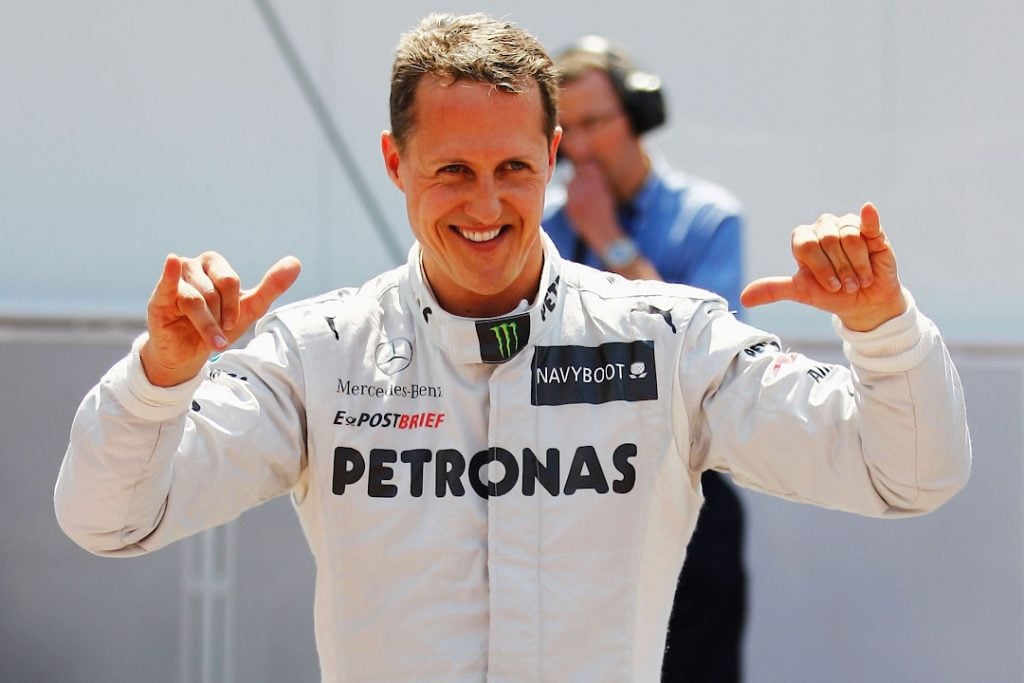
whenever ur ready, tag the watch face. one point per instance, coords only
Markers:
(621, 252)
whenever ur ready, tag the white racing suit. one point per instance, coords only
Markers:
(510, 499)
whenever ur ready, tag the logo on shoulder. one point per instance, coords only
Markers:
(819, 373)
(757, 349)
(393, 356)
(216, 373)
(654, 310)
(615, 371)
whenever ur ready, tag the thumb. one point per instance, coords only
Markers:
(768, 290)
(870, 223)
(276, 281)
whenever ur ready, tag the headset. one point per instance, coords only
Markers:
(639, 91)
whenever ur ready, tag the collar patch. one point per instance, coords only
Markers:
(502, 338)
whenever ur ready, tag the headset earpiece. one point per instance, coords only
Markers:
(639, 91)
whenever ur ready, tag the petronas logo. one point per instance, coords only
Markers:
(507, 337)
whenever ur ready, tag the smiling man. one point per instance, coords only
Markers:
(495, 453)
(475, 199)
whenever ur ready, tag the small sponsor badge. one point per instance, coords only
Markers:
(616, 371)
(503, 338)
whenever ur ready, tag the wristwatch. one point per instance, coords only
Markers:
(620, 253)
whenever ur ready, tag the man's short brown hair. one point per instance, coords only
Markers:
(472, 47)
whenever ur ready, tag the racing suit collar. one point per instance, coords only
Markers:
(487, 340)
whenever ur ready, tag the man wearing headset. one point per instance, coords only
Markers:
(625, 213)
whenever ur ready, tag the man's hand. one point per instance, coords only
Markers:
(590, 205)
(198, 307)
(846, 266)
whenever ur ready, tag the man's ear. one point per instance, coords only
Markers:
(392, 159)
(556, 139)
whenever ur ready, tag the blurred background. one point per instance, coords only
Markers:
(130, 130)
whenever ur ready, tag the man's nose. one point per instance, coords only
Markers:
(484, 202)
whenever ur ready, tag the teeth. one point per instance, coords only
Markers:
(478, 236)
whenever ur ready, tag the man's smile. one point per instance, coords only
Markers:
(479, 235)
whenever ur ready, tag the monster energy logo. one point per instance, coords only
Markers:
(508, 338)
(502, 339)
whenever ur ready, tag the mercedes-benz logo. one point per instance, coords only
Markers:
(394, 356)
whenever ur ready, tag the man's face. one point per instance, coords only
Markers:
(473, 170)
(594, 124)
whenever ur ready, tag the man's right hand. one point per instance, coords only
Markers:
(198, 307)
(590, 205)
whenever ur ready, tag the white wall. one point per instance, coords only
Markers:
(134, 129)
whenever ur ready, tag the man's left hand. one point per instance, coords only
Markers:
(846, 266)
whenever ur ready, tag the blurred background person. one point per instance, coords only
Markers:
(622, 209)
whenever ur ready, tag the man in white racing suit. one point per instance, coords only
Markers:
(496, 454)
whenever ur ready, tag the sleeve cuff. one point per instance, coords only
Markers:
(127, 379)
(896, 345)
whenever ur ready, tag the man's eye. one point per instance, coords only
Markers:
(453, 168)
(517, 166)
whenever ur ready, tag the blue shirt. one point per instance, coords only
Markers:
(690, 230)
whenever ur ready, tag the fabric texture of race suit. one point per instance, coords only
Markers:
(510, 499)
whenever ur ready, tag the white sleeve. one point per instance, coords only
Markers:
(885, 437)
(148, 465)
